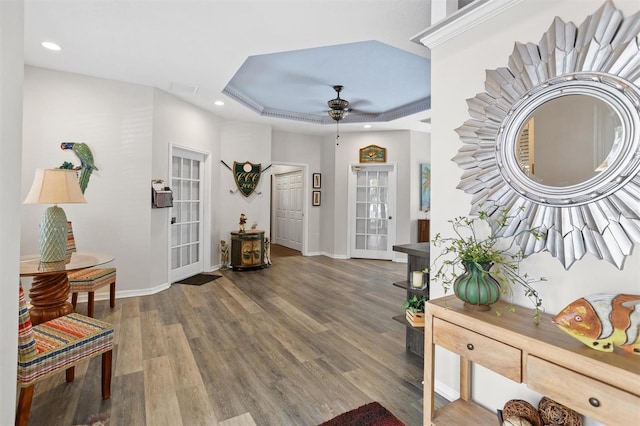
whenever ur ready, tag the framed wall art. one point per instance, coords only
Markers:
(425, 187)
(317, 180)
(315, 198)
(373, 154)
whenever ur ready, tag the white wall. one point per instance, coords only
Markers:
(328, 213)
(115, 120)
(488, 46)
(242, 142)
(129, 129)
(293, 148)
(420, 144)
(347, 152)
(11, 80)
(176, 122)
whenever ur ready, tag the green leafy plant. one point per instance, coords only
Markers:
(415, 304)
(468, 246)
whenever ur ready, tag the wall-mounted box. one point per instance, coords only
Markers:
(161, 196)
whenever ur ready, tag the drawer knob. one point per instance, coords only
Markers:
(594, 402)
(470, 346)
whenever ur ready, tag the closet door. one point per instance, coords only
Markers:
(288, 209)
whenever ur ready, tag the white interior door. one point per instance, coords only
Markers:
(372, 194)
(186, 226)
(288, 206)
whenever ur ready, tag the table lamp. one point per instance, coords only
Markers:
(54, 186)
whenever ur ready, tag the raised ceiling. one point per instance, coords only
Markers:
(257, 56)
(385, 83)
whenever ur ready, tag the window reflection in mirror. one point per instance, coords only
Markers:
(568, 140)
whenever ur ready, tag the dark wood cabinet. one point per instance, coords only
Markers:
(247, 250)
(423, 230)
(418, 258)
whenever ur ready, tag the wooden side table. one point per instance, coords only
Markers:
(247, 250)
(49, 292)
(600, 385)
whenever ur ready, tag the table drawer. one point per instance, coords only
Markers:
(496, 356)
(587, 396)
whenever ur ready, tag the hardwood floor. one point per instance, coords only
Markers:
(294, 344)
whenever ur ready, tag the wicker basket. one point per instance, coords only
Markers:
(521, 408)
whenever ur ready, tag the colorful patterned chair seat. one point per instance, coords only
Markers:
(56, 345)
(89, 280)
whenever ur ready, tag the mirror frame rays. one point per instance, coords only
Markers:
(601, 216)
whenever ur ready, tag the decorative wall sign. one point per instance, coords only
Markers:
(246, 176)
(373, 154)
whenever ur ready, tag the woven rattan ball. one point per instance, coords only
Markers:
(554, 414)
(520, 408)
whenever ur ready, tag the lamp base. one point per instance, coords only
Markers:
(53, 235)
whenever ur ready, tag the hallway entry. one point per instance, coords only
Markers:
(287, 209)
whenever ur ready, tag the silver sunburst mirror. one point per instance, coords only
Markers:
(555, 140)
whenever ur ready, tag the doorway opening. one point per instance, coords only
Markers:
(288, 207)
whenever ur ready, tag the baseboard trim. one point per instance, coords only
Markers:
(103, 293)
(445, 391)
(334, 256)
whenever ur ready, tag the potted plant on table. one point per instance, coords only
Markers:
(414, 309)
(469, 272)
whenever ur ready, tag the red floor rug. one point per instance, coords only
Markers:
(372, 414)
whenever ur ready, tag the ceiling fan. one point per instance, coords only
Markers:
(339, 107)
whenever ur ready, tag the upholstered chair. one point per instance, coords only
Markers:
(56, 345)
(89, 280)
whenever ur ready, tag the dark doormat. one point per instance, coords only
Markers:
(372, 414)
(198, 279)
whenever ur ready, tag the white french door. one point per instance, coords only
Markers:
(186, 224)
(288, 205)
(372, 193)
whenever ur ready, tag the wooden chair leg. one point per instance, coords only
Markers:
(90, 304)
(70, 374)
(74, 300)
(24, 405)
(112, 294)
(106, 374)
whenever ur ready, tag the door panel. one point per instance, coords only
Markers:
(288, 201)
(186, 231)
(371, 209)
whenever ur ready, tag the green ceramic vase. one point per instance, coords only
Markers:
(476, 287)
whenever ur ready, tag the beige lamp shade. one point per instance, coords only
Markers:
(55, 186)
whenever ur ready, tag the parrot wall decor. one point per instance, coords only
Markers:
(85, 156)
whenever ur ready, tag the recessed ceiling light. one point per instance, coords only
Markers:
(51, 45)
(367, 126)
(219, 103)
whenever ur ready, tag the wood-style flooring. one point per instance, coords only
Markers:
(293, 344)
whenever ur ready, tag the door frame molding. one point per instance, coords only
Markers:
(205, 189)
(305, 204)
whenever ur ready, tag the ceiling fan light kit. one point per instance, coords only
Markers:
(337, 114)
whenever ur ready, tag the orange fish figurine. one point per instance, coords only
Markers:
(603, 321)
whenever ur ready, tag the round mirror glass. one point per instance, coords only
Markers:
(568, 140)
